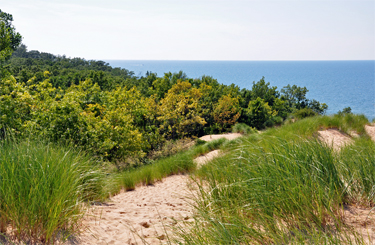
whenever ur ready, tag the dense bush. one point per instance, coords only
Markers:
(305, 112)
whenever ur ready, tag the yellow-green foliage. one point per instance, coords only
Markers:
(104, 123)
(179, 111)
(227, 112)
(15, 103)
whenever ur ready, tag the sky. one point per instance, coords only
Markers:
(197, 29)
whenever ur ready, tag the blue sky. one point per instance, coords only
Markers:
(198, 29)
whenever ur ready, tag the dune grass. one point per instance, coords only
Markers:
(205, 147)
(177, 164)
(42, 190)
(284, 187)
(358, 168)
(243, 129)
(309, 126)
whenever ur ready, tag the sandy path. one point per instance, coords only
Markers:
(201, 160)
(150, 211)
(362, 220)
(230, 136)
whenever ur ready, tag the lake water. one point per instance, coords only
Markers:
(339, 84)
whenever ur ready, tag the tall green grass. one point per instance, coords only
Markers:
(284, 187)
(358, 168)
(243, 129)
(42, 190)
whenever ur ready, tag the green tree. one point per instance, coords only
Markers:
(226, 112)
(346, 110)
(263, 90)
(318, 107)
(258, 112)
(9, 39)
(295, 96)
(179, 111)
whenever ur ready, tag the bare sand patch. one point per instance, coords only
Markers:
(201, 160)
(362, 220)
(230, 136)
(149, 211)
(334, 138)
(370, 130)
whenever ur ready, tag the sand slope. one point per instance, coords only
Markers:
(334, 138)
(370, 130)
(201, 160)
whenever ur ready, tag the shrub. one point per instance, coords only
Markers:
(258, 112)
(305, 112)
(171, 147)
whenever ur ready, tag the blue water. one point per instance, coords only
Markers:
(339, 84)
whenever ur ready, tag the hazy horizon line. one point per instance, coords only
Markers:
(229, 60)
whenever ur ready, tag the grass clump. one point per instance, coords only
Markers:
(42, 190)
(205, 147)
(243, 129)
(176, 164)
(358, 168)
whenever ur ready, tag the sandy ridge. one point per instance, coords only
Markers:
(229, 136)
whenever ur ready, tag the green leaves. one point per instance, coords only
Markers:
(179, 111)
(258, 112)
(9, 39)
